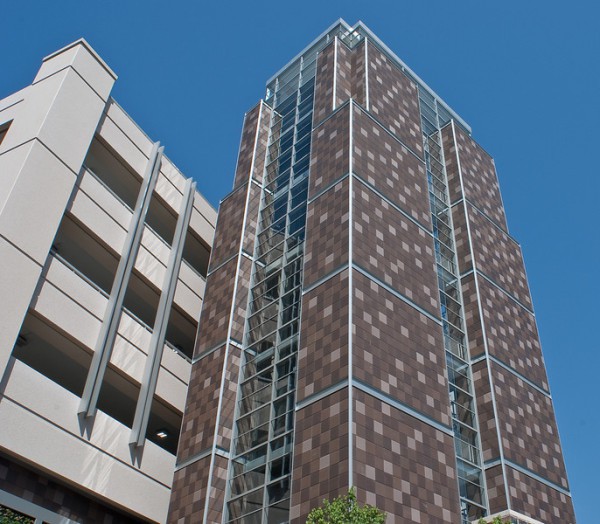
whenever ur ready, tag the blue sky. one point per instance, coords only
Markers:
(524, 74)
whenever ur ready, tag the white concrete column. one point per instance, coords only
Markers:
(40, 158)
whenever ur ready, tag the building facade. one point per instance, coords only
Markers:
(368, 321)
(104, 247)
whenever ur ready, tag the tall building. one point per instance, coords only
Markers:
(104, 246)
(367, 319)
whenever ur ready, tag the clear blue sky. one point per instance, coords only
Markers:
(524, 74)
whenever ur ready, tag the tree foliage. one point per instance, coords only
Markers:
(345, 510)
(8, 516)
(497, 520)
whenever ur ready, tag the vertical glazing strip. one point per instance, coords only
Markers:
(230, 326)
(471, 478)
(482, 317)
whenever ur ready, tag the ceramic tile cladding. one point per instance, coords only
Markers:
(527, 423)
(539, 501)
(512, 334)
(216, 309)
(402, 465)
(478, 171)
(387, 165)
(262, 139)
(252, 217)
(327, 233)
(329, 158)
(485, 412)
(198, 426)
(394, 100)
(324, 84)
(498, 257)
(43, 491)
(217, 491)
(320, 454)
(344, 78)
(496, 489)
(323, 354)
(472, 316)
(188, 496)
(464, 256)
(229, 225)
(394, 249)
(398, 350)
(241, 300)
(248, 143)
(229, 396)
(358, 69)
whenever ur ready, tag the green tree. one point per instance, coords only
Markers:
(345, 510)
(497, 520)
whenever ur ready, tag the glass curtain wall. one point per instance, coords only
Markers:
(471, 480)
(260, 474)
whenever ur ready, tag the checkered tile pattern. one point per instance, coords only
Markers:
(398, 350)
(327, 233)
(478, 174)
(403, 466)
(488, 431)
(512, 334)
(394, 100)
(496, 490)
(527, 423)
(386, 164)
(345, 76)
(359, 78)
(394, 249)
(229, 225)
(323, 354)
(497, 255)
(329, 159)
(189, 493)
(324, 84)
(249, 148)
(198, 427)
(216, 308)
(539, 501)
(320, 454)
(43, 491)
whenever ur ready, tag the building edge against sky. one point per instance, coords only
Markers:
(104, 247)
(368, 320)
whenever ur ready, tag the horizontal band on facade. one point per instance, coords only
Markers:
(397, 294)
(497, 286)
(512, 371)
(387, 131)
(233, 191)
(379, 395)
(222, 344)
(315, 397)
(224, 263)
(324, 279)
(328, 188)
(532, 474)
(202, 455)
(335, 111)
(487, 217)
(373, 278)
(392, 204)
